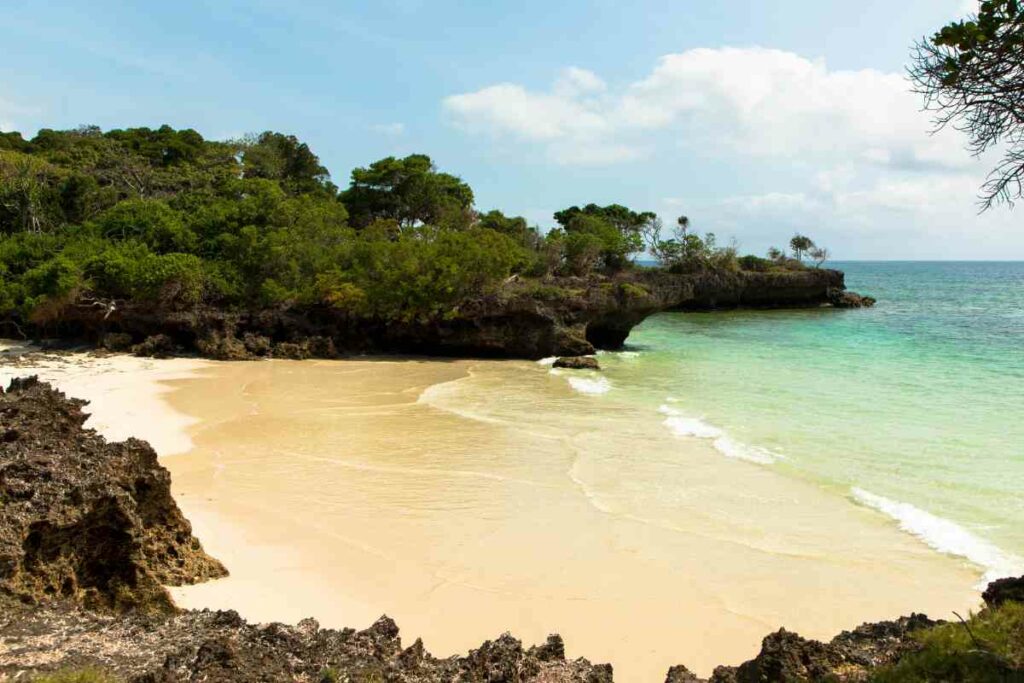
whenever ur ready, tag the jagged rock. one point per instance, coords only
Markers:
(155, 345)
(82, 519)
(553, 650)
(116, 341)
(841, 298)
(221, 647)
(256, 344)
(1003, 590)
(577, 363)
(680, 674)
(221, 346)
(291, 351)
(850, 656)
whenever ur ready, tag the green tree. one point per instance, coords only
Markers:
(410, 191)
(971, 74)
(275, 156)
(620, 229)
(27, 195)
(149, 221)
(800, 244)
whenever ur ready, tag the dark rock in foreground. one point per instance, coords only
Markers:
(1004, 590)
(82, 519)
(222, 647)
(850, 656)
(577, 363)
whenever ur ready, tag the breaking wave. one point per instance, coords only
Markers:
(682, 425)
(945, 536)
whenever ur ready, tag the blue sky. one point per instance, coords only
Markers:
(754, 118)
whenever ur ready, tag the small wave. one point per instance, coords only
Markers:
(594, 386)
(625, 355)
(681, 425)
(547, 361)
(585, 489)
(945, 536)
(734, 449)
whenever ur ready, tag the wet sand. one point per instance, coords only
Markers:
(465, 499)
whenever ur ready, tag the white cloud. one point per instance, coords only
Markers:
(754, 101)
(577, 81)
(857, 163)
(571, 125)
(391, 129)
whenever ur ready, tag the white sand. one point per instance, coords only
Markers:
(125, 393)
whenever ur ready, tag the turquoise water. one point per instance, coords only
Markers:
(914, 408)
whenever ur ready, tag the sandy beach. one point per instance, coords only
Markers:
(465, 499)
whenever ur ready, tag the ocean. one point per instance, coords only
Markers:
(914, 408)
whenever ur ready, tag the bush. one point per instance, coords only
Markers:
(151, 222)
(131, 271)
(755, 263)
(49, 288)
(995, 651)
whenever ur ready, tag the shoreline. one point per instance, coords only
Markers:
(267, 544)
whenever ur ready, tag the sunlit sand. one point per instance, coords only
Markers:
(465, 499)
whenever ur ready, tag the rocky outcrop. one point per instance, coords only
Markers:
(525, 319)
(1004, 590)
(843, 299)
(577, 363)
(850, 656)
(82, 519)
(222, 647)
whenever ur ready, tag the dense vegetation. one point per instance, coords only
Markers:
(165, 218)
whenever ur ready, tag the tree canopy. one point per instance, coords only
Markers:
(165, 218)
(410, 191)
(971, 74)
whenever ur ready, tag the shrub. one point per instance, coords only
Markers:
(49, 288)
(754, 263)
(989, 648)
(151, 222)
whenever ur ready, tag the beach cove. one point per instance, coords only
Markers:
(469, 498)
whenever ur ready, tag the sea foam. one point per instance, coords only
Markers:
(682, 425)
(945, 536)
(587, 385)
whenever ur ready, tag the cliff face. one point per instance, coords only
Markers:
(525, 319)
(82, 519)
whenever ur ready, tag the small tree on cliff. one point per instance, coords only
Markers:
(819, 255)
(800, 244)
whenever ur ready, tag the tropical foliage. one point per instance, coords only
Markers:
(165, 218)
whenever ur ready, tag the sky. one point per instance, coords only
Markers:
(756, 119)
